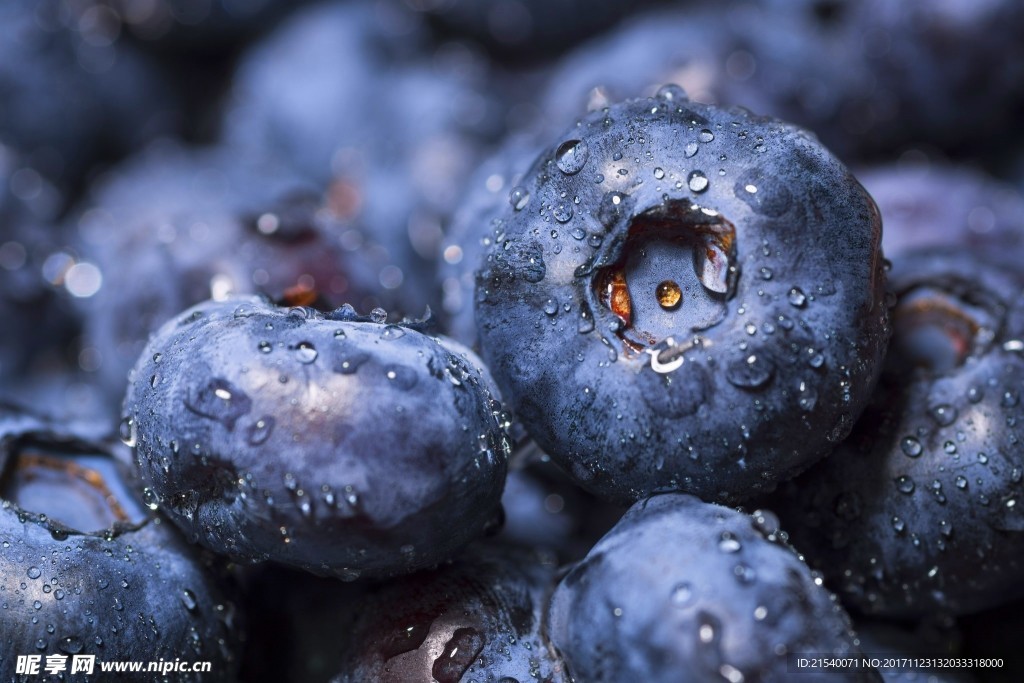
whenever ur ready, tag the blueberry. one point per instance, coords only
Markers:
(477, 619)
(336, 444)
(709, 323)
(681, 585)
(164, 242)
(88, 569)
(919, 511)
(976, 210)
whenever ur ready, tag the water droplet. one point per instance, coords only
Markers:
(728, 543)
(403, 377)
(458, 655)
(904, 484)
(551, 307)
(744, 573)
(682, 595)
(671, 93)
(34, 572)
(690, 149)
(808, 397)
(563, 212)
(379, 316)
(265, 347)
(659, 173)
(150, 498)
(348, 361)
(305, 352)
(961, 482)
(260, 430)
(519, 197)
(71, 645)
(944, 414)
(188, 598)
(669, 295)
(128, 432)
(750, 372)
(697, 182)
(571, 156)
(219, 400)
(706, 136)
(898, 525)
(392, 332)
(911, 447)
(797, 298)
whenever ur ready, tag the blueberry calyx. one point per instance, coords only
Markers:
(647, 288)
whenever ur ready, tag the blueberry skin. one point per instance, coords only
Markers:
(769, 357)
(918, 512)
(476, 619)
(335, 444)
(115, 582)
(680, 585)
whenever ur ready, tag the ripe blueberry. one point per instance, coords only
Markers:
(680, 585)
(920, 510)
(333, 443)
(88, 569)
(682, 297)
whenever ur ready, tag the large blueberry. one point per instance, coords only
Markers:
(683, 297)
(86, 569)
(684, 586)
(334, 443)
(920, 510)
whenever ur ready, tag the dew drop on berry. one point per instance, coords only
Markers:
(260, 430)
(797, 298)
(458, 655)
(563, 212)
(305, 352)
(682, 595)
(944, 414)
(128, 432)
(519, 197)
(669, 295)
(571, 156)
(671, 93)
(911, 447)
(750, 372)
(904, 484)
(697, 182)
